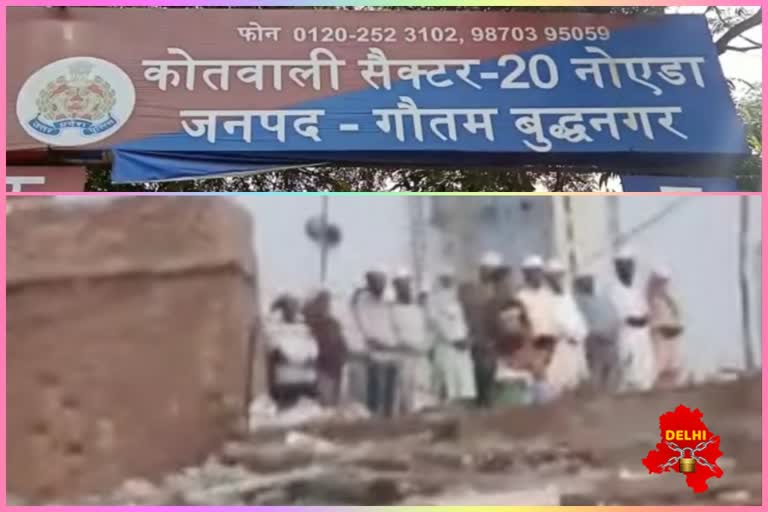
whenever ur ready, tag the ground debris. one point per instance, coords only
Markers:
(505, 457)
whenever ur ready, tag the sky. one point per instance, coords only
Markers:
(736, 65)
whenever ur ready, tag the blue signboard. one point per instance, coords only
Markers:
(267, 89)
(677, 184)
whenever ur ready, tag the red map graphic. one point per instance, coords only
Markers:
(665, 457)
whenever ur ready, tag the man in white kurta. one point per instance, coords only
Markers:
(666, 327)
(453, 361)
(540, 307)
(569, 362)
(537, 299)
(374, 321)
(409, 323)
(292, 353)
(638, 368)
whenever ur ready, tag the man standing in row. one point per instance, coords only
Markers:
(413, 344)
(452, 345)
(568, 368)
(374, 321)
(481, 303)
(603, 326)
(292, 353)
(331, 343)
(538, 302)
(635, 348)
(666, 329)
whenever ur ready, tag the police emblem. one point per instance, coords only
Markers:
(77, 101)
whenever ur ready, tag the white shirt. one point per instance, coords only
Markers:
(635, 349)
(297, 346)
(446, 315)
(294, 341)
(409, 324)
(629, 300)
(374, 321)
(571, 323)
(540, 307)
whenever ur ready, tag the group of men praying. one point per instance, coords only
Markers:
(509, 336)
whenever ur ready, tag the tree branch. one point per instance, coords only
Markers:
(743, 48)
(722, 44)
(751, 41)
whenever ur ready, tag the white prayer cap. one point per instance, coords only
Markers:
(403, 273)
(662, 272)
(555, 266)
(389, 294)
(625, 253)
(491, 259)
(533, 261)
(377, 269)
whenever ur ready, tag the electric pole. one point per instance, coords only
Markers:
(614, 223)
(746, 327)
(324, 241)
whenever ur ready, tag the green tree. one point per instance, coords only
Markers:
(749, 176)
(356, 179)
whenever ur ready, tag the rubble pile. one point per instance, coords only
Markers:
(585, 453)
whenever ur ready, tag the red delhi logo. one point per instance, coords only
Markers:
(687, 446)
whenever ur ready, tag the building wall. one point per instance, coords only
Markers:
(589, 220)
(511, 226)
(128, 323)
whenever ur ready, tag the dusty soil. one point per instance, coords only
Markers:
(580, 451)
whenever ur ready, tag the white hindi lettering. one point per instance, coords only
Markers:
(223, 72)
(244, 123)
(317, 58)
(254, 74)
(199, 123)
(158, 70)
(306, 124)
(204, 123)
(670, 69)
(571, 125)
(446, 118)
(301, 72)
(17, 183)
(571, 128)
(256, 33)
(376, 70)
(277, 125)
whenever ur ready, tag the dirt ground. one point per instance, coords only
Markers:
(581, 451)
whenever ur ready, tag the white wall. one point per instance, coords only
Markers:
(699, 244)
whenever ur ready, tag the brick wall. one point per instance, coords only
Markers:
(127, 333)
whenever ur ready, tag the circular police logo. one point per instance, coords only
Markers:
(75, 101)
